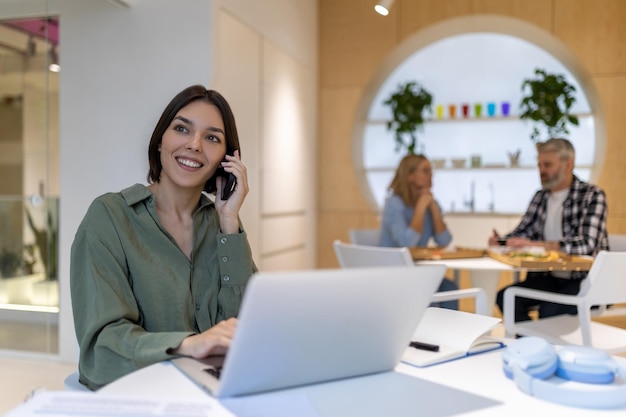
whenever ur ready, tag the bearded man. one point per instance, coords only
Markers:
(566, 215)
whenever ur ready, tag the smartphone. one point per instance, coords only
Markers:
(229, 187)
(229, 184)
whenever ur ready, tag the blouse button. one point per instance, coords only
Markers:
(224, 259)
(223, 240)
(227, 278)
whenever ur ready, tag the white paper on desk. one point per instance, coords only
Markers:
(457, 333)
(88, 404)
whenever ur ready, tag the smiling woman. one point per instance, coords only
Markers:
(167, 265)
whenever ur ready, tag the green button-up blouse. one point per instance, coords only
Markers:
(135, 294)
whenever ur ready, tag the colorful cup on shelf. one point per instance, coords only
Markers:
(452, 111)
(439, 111)
(478, 109)
(506, 108)
(491, 109)
(465, 109)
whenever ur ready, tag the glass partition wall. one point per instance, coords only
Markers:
(29, 184)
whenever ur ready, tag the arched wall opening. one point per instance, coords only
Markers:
(458, 78)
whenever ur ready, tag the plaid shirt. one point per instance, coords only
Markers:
(584, 220)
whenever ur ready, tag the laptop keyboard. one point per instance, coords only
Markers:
(216, 371)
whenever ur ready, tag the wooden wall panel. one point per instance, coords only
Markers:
(336, 226)
(338, 186)
(595, 30)
(612, 91)
(537, 12)
(353, 40)
(415, 15)
(12, 177)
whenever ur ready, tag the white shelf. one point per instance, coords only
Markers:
(481, 168)
(471, 119)
(507, 167)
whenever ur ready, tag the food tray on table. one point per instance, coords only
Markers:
(543, 261)
(422, 253)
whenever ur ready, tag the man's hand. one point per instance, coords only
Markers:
(520, 242)
(493, 239)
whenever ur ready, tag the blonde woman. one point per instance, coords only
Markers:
(412, 216)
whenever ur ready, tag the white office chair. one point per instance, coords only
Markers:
(350, 255)
(369, 237)
(617, 243)
(603, 285)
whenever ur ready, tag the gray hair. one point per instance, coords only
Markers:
(563, 147)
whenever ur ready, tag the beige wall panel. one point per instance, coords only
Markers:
(595, 31)
(283, 233)
(354, 39)
(612, 92)
(289, 261)
(286, 151)
(474, 231)
(338, 187)
(237, 77)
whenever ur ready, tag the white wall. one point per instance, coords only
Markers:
(120, 67)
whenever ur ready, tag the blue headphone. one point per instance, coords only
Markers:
(532, 363)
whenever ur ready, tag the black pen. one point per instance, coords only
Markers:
(424, 346)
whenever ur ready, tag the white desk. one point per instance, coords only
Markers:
(480, 375)
(484, 273)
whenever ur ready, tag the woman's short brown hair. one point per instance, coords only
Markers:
(182, 99)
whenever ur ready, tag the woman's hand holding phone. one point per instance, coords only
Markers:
(228, 208)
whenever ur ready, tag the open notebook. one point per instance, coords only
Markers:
(306, 327)
(456, 334)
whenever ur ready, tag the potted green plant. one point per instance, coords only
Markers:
(547, 101)
(46, 241)
(10, 263)
(408, 104)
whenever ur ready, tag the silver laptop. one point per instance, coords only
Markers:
(306, 327)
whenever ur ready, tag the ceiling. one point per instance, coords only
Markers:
(25, 44)
(28, 37)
